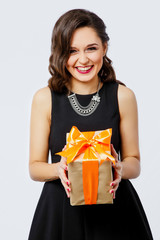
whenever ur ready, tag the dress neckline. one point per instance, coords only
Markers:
(79, 95)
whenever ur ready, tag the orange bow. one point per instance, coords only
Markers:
(85, 142)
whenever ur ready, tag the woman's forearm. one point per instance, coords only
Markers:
(43, 172)
(130, 168)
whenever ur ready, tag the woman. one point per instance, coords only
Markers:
(80, 68)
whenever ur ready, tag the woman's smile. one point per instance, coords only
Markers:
(84, 70)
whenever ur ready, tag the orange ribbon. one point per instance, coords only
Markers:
(95, 148)
(85, 142)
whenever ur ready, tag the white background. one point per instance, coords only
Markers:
(25, 35)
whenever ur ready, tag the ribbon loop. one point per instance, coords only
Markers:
(89, 144)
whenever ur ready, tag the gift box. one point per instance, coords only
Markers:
(89, 166)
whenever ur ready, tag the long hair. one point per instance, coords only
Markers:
(60, 47)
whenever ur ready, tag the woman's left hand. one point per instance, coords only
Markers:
(117, 172)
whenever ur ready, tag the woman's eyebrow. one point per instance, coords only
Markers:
(89, 45)
(93, 44)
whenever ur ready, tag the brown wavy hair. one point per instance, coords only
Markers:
(60, 47)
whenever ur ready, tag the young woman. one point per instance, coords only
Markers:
(80, 67)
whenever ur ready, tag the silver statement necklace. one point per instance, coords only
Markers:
(87, 110)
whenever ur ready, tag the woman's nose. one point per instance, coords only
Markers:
(83, 59)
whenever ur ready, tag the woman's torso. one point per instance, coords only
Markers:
(63, 117)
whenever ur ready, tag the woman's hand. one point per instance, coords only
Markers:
(62, 168)
(117, 172)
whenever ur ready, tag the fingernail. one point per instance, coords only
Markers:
(67, 182)
(111, 191)
(66, 168)
(69, 189)
(111, 184)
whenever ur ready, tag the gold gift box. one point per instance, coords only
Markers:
(89, 166)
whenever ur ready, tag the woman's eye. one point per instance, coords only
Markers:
(92, 48)
(72, 51)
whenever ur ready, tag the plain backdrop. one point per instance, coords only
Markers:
(25, 39)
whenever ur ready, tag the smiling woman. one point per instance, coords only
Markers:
(83, 91)
(86, 58)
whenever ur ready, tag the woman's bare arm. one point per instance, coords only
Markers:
(130, 155)
(39, 168)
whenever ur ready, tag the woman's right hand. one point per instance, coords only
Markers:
(62, 169)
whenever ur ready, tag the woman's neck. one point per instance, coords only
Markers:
(85, 88)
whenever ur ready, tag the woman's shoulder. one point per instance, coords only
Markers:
(125, 93)
(42, 101)
(126, 99)
(42, 95)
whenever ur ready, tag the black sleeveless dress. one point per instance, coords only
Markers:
(55, 218)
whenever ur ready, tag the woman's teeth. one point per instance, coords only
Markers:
(84, 68)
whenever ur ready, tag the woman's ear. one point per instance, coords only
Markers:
(105, 48)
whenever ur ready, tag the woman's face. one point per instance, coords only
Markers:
(86, 55)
